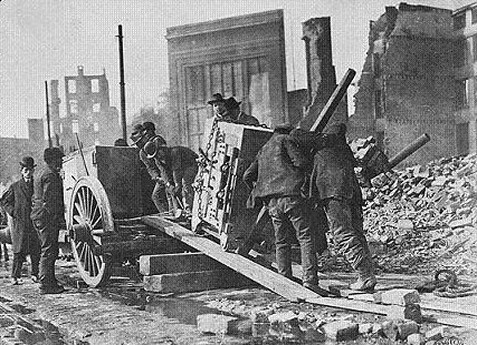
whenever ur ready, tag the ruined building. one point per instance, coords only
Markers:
(13, 149)
(88, 112)
(408, 84)
(465, 26)
(320, 71)
(243, 56)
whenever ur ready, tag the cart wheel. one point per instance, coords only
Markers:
(89, 219)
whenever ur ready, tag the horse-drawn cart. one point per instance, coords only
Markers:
(106, 190)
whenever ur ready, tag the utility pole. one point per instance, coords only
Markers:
(121, 82)
(50, 144)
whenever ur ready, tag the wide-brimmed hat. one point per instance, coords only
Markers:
(149, 126)
(52, 153)
(216, 97)
(231, 103)
(28, 162)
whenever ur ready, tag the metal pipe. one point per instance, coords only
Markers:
(121, 82)
(409, 150)
(333, 102)
(50, 144)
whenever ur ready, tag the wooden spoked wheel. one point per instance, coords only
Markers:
(90, 219)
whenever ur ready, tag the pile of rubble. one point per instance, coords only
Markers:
(288, 323)
(423, 218)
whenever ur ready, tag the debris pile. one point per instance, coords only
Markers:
(423, 214)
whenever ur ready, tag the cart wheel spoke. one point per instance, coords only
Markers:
(91, 215)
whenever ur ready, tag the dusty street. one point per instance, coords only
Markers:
(123, 313)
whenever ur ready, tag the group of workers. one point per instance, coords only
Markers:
(296, 175)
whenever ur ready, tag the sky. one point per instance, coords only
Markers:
(47, 39)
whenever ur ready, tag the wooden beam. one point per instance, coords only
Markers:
(195, 281)
(177, 263)
(277, 283)
(265, 277)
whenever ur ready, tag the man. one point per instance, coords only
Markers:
(17, 203)
(229, 110)
(336, 187)
(48, 215)
(180, 164)
(142, 136)
(218, 105)
(235, 115)
(279, 172)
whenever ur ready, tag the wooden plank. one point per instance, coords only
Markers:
(194, 281)
(277, 283)
(177, 263)
(265, 277)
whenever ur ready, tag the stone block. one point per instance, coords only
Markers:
(408, 312)
(288, 317)
(341, 330)
(177, 263)
(437, 333)
(365, 328)
(400, 297)
(405, 224)
(260, 315)
(415, 339)
(390, 329)
(194, 281)
(216, 324)
(407, 328)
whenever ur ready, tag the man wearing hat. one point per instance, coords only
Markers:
(17, 203)
(218, 105)
(48, 214)
(279, 172)
(180, 168)
(145, 134)
(229, 110)
(335, 186)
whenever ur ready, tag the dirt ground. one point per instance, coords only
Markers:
(123, 313)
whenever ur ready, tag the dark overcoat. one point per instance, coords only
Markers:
(333, 174)
(48, 203)
(279, 169)
(17, 202)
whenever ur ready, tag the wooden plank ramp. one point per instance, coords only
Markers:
(274, 281)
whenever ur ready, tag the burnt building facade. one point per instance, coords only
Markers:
(320, 71)
(13, 149)
(465, 27)
(243, 57)
(88, 112)
(408, 84)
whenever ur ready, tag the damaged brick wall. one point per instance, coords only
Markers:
(408, 86)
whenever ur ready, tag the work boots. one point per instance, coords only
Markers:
(366, 278)
(364, 283)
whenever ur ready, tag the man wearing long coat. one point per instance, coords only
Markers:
(48, 215)
(17, 203)
(335, 185)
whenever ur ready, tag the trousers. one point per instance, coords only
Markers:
(292, 213)
(48, 234)
(345, 219)
(31, 246)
